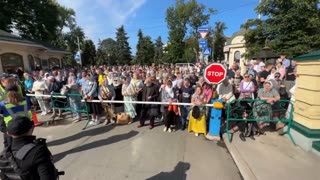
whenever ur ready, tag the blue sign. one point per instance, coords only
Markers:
(207, 51)
(203, 44)
(77, 57)
(203, 29)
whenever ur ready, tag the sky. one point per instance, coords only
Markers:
(100, 18)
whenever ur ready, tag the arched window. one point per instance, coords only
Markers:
(31, 62)
(11, 62)
(54, 62)
(237, 56)
(37, 62)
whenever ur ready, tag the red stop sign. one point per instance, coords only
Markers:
(215, 73)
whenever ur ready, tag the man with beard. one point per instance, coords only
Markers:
(117, 85)
(149, 93)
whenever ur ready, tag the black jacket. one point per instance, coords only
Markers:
(37, 162)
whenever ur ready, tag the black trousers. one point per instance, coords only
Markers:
(144, 115)
(169, 117)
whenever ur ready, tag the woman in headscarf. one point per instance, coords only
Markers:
(263, 110)
(129, 93)
(106, 92)
(75, 101)
(90, 92)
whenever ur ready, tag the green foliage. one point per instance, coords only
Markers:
(180, 17)
(37, 19)
(106, 52)
(123, 50)
(71, 41)
(218, 41)
(145, 49)
(289, 27)
(158, 51)
(88, 53)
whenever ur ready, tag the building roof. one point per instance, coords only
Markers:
(7, 37)
(241, 32)
(309, 57)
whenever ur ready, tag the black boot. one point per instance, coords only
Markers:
(242, 137)
(252, 137)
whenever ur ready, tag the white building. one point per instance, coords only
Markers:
(16, 52)
(234, 50)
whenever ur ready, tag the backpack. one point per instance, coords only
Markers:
(22, 153)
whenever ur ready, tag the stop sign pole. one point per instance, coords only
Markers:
(215, 73)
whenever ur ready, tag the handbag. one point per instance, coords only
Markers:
(123, 118)
(196, 113)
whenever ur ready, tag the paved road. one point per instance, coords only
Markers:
(125, 152)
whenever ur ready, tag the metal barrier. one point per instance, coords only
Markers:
(60, 102)
(260, 111)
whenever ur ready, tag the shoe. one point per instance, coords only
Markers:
(279, 126)
(252, 137)
(151, 127)
(107, 121)
(97, 122)
(165, 129)
(91, 122)
(140, 126)
(242, 137)
(43, 113)
(169, 130)
(196, 134)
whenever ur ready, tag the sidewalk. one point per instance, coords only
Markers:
(272, 157)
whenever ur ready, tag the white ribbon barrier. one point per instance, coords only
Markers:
(133, 102)
(44, 95)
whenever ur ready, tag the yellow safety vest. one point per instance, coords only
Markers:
(2, 93)
(24, 113)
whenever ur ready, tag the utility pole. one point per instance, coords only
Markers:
(79, 50)
(259, 15)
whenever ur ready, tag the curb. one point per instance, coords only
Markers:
(242, 165)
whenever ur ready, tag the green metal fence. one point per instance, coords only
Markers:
(63, 103)
(260, 111)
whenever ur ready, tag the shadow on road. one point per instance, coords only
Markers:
(178, 173)
(95, 144)
(84, 133)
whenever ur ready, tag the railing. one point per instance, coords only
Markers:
(60, 102)
(259, 111)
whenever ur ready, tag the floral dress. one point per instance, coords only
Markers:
(129, 94)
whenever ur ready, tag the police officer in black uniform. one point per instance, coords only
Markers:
(31, 158)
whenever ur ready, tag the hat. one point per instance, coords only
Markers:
(19, 126)
(12, 88)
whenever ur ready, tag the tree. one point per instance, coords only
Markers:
(158, 50)
(218, 41)
(41, 20)
(72, 43)
(88, 53)
(106, 52)
(179, 17)
(288, 27)
(123, 51)
(145, 49)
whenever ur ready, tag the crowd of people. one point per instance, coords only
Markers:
(271, 81)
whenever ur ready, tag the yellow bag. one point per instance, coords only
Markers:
(218, 105)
